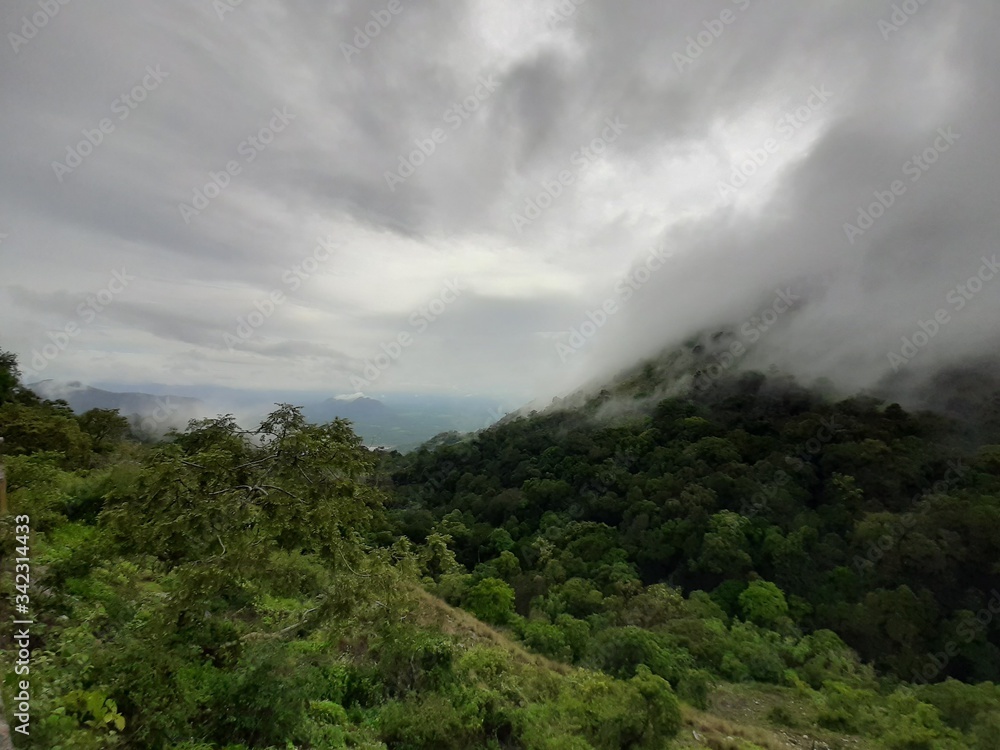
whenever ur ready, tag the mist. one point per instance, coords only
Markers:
(499, 200)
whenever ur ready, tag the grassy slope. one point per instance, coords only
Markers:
(738, 715)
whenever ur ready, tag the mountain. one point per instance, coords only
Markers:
(718, 479)
(359, 409)
(405, 421)
(745, 564)
(398, 420)
(150, 414)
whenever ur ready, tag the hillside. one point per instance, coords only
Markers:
(146, 413)
(749, 565)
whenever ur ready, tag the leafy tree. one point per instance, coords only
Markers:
(9, 376)
(33, 429)
(106, 427)
(763, 603)
(491, 600)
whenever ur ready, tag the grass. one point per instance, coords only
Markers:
(751, 715)
(435, 613)
(746, 716)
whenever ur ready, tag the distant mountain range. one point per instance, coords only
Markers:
(360, 409)
(148, 414)
(404, 422)
(400, 421)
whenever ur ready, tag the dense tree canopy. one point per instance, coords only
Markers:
(630, 559)
(790, 509)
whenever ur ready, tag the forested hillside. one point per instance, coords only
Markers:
(881, 525)
(741, 566)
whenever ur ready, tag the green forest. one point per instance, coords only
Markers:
(750, 564)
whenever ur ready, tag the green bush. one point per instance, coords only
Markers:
(415, 660)
(620, 652)
(491, 600)
(547, 639)
(961, 705)
(576, 633)
(663, 713)
(846, 709)
(763, 603)
(694, 686)
(430, 722)
(609, 714)
(908, 724)
(759, 651)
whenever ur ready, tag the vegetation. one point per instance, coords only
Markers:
(738, 567)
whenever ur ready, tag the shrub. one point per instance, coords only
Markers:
(961, 704)
(912, 725)
(431, 722)
(694, 686)
(759, 651)
(845, 709)
(663, 714)
(763, 603)
(620, 652)
(491, 600)
(782, 716)
(415, 660)
(576, 633)
(547, 639)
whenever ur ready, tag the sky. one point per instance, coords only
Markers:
(494, 198)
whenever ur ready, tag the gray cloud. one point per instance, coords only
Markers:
(690, 122)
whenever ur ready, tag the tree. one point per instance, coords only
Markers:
(9, 377)
(106, 427)
(763, 603)
(436, 557)
(724, 547)
(209, 504)
(491, 600)
(30, 429)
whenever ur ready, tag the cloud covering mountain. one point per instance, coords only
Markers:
(500, 198)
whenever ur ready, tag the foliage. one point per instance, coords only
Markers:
(234, 588)
(491, 600)
(763, 603)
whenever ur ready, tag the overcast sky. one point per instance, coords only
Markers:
(446, 195)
